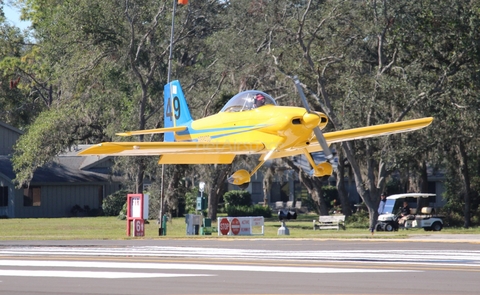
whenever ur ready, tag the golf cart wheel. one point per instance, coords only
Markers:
(437, 226)
(379, 227)
(388, 227)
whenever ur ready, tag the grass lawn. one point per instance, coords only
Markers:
(111, 228)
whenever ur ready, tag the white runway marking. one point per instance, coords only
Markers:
(436, 257)
(90, 274)
(191, 267)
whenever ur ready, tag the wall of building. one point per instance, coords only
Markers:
(8, 137)
(58, 200)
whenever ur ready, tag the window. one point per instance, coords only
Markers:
(31, 196)
(3, 196)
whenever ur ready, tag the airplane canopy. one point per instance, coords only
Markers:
(248, 100)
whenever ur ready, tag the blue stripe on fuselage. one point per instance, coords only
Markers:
(231, 131)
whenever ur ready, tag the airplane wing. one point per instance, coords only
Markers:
(152, 131)
(160, 148)
(377, 130)
(358, 133)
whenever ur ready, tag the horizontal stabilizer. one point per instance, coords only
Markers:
(152, 131)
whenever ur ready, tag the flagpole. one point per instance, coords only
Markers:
(161, 231)
(171, 42)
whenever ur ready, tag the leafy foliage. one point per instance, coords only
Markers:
(255, 210)
(358, 219)
(191, 200)
(237, 198)
(113, 204)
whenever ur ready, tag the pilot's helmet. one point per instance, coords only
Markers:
(259, 100)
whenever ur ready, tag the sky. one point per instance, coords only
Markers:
(13, 17)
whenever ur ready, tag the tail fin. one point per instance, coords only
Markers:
(176, 112)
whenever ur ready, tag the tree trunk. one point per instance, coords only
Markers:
(342, 192)
(424, 178)
(373, 217)
(217, 191)
(139, 177)
(466, 183)
(313, 186)
(365, 194)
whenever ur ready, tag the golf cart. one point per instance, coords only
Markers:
(422, 215)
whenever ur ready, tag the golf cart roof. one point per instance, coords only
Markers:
(410, 195)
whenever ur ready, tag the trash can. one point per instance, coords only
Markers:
(206, 228)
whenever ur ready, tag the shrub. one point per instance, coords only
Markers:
(359, 219)
(122, 215)
(237, 198)
(112, 204)
(256, 210)
(191, 200)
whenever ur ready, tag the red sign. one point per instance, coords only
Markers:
(135, 204)
(138, 228)
(224, 226)
(235, 226)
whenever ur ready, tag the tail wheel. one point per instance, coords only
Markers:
(244, 186)
(437, 226)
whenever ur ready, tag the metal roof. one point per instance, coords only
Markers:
(55, 172)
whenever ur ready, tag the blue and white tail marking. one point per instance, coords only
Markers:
(176, 112)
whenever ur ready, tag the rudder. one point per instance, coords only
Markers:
(176, 112)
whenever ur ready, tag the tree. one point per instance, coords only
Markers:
(17, 107)
(347, 56)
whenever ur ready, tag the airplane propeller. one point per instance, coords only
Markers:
(316, 130)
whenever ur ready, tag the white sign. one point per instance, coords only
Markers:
(242, 226)
(136, 207)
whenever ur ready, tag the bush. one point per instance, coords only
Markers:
(191, 201)
(257, 210)
(359, 219)
(112, 204)
(237, 198)
(122, 215)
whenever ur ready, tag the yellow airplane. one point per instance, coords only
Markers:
(250, 123)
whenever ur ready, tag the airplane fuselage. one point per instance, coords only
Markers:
(277, 127)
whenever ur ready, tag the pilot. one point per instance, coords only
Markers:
(259, 100)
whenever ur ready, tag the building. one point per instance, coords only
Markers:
(68, 186)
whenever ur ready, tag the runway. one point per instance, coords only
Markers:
(239, 267)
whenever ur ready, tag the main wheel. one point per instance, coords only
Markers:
(378, 227)
(437, 226)
(244, 186)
